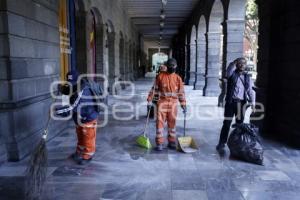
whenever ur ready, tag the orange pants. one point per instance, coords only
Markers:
(86, 135)
(167, 112)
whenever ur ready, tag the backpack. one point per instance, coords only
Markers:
(96, 91)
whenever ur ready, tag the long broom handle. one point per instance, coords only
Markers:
(148, 114)
(45, 134)
(184, 124)
(147, 121)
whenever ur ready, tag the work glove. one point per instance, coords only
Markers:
(184, 108)
(149, 105)
(58, 111)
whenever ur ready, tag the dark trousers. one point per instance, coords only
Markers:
(237, 109)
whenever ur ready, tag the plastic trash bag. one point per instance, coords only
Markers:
(244, 143)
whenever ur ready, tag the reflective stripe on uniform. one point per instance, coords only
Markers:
(72, 106)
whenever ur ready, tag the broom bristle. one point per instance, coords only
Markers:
(37, 171)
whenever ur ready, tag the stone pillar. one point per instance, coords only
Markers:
(126, 61)
(201, 62)
(29, 63)
(192, 72)
(186, 53)
(235, 39)
(263, 65)
(214, 64)
(111, 61)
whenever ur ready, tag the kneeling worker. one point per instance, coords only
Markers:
(170, 89)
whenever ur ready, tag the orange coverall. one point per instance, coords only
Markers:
(170, 89)
(86, 134)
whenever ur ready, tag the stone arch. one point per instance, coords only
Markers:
(193, 53)
(112, 71)
(201, 54)
(215, 49)
(122, 56)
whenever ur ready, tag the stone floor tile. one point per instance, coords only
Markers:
(189, 195)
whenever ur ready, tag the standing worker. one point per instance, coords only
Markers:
(239, 93)
(84, 116)
(170, 89)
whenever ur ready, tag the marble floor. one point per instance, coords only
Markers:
(122, 170)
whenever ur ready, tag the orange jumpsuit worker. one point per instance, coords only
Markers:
(84, 112)
(169, 87)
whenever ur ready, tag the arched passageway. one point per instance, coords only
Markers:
(158, 59)
(215, 50)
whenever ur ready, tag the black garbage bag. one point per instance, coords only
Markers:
(244, 143)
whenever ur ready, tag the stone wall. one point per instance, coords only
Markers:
(30, 62)
(279, 68)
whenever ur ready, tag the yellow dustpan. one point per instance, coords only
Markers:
(143, 139)
(186, 143)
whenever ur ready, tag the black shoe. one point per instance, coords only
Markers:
(76, 157)
(85, 161)
(159, 147)
(220, 148)
(172, 145)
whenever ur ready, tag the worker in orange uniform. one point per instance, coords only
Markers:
(170, 89)
(84, 112)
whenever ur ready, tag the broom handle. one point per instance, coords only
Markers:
(184, 124)
(45, 134)
(148, 114)
(147, 121)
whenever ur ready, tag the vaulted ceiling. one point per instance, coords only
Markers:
(145, 14)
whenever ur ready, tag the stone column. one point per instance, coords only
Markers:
(263, 65)
(201, 61)
(186, 53)
(126, 60)
(214, 63)
(192, 72)
(111, 60)
(235, 39)
(29, 63)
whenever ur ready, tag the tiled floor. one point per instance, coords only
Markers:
(122, 170)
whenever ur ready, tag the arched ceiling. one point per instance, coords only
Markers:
(145, 14)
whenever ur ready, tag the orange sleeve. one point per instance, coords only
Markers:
(181, 93)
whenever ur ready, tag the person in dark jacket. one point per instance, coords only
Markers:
(84, 113)
(239, 93)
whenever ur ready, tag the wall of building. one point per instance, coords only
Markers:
(278, 68)
(30, 62)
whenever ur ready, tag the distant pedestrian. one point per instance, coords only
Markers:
(239, 93)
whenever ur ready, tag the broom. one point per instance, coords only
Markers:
(143, 140)
(36, 171)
